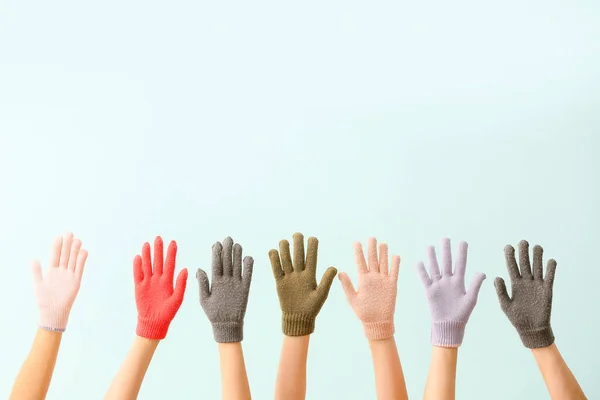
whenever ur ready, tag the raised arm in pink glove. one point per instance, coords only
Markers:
(374, 304)
(55, 293)
(450, 306)
(157, 303)
(375, 301)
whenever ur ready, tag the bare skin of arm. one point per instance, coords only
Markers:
(128, 381)
(559, 379)
(441, 381)
(33, 380)
(389, 378)
(291, 376)
(234, 380)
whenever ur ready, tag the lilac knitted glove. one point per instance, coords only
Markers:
(449, 303)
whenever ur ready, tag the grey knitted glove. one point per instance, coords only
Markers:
(530, 305)
(225, 302)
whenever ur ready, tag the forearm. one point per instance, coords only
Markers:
(35, 375)
(234, 380)
(127, 382)
(441, 381)
(389, 378)
(559, 379)
(291, 376)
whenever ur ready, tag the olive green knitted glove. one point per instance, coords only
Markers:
(299, 296)
(530, 305)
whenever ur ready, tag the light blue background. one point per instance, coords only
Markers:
(409, 121)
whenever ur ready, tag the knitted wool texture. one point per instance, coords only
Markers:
(530, 306)
(224, 303)
(299, 296)
(56, 291)
(449, 303)
(156, 300)
(375, 301)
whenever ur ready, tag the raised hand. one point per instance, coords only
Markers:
(156, 299)
(450, 304)
(299, 296)
(530, 305)
(375, 301)
(57, 290)
(225, 301)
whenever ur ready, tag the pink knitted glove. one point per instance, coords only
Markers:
(375, 301)
(56, 291)
(449, 303)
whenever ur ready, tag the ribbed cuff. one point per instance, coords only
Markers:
(228, 332)
(379, 330)
(297, 324)
(447, 333)
(152, 329)
(536, 339)
(54, 319)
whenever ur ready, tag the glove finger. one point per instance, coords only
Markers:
(373, 262)
(312, 251)
(326, 282)
(359, 258)
(74, 254)
(524, 259)
(395, 267)
(425, 279)
(248, 268)
(383, 259)
(138, 273)
(203, 284)
(217, 260)
(227, 256)
(502, 293)
(170, 261)
(286, 259)
(82, 258)
(180, 285)
(434, 269)
(460, 266)
(237, 261)
(36, 271)
(299, 263)
(446, 257)
(275, 264)
(347, 286)
(511, 263)
(158, 260)
(475, 285)
(550, 271)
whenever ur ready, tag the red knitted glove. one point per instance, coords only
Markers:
(157, 302)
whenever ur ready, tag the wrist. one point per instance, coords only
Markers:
(296, 324)
(379, 330)
(54, 319)
(228, 332)
(447, 333)
(538, 338)
(150, 328)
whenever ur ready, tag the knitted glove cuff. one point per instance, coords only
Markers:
(447, 333)
(297, 324)
(54, 319)
(379, 330)
(151, 328)
(538, 338)
(228, 332)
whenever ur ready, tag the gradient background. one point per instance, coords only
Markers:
(408, 121)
